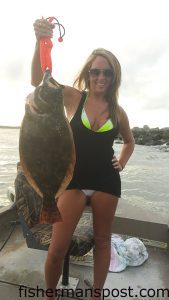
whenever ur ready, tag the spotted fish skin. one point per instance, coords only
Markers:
(46, 147)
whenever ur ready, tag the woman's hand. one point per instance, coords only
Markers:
(116, 164)
(43, 28)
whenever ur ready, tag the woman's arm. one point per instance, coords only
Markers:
(36, 71)
(128, 142)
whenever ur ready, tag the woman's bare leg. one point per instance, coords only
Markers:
(71, 205)
(103, 207)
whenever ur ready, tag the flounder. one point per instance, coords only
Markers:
(46, 146)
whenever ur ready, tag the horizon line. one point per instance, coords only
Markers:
(18, 127)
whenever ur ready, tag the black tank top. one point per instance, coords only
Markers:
(94, 153)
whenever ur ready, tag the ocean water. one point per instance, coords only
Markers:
(9, 156)
(145, 180)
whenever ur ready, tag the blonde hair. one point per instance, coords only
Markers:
(82, 80)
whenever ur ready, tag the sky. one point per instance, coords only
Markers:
(136, 31)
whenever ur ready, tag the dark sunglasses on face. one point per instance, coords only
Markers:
(105, 72)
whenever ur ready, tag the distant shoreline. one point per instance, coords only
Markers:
(9, 127)
(143, 136)
(134, 128)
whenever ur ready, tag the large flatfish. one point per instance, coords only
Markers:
(46, 146)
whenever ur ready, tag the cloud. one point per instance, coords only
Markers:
(12, 70)
(135, 31)
(145, 75)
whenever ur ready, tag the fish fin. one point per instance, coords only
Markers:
(69, 173)
(49, 213)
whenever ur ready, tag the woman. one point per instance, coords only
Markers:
(96, 119)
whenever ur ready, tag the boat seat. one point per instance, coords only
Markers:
(38, 236)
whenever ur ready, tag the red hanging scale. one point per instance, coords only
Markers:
(46, 46)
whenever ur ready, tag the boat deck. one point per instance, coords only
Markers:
(21, 266)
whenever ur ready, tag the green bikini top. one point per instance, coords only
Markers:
(108, 125)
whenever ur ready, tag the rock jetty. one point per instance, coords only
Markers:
(151, 136)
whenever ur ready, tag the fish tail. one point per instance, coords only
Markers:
(49, 213)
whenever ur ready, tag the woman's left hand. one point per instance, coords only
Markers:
(116, 164)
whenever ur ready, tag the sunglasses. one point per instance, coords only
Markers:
(105, 72)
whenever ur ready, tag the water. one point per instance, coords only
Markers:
(145, 188)
(9, 156)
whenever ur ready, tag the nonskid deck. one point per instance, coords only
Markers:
(21, 266)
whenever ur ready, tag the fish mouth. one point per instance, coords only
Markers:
(44, 100)
(50, 81)
(47, 97)
(47, 78)
(35, 110)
